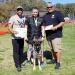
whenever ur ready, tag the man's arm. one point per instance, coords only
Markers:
(26, 28)
(61, 24)
(26, 33)
(43, 31)
(10, 25)
(10, 28)
(60, 18)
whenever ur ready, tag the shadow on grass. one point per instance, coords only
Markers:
(47, 54)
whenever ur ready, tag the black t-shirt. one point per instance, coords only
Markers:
(53, 18)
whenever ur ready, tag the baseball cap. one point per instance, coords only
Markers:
(19, 7)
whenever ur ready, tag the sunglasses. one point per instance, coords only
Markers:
(49, 7)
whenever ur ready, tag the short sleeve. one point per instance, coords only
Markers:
(11, 20)
(60, 17)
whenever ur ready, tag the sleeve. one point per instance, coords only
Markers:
(11, 20)
(60, 17)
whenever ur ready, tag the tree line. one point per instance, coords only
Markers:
(27, 5)
(67, 9)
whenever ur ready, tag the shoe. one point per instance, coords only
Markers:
(18, 68)
(51, 61)
(57, 66)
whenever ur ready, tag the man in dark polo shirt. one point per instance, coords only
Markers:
(53, 21)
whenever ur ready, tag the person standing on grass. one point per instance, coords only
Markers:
(17, 21)
(53, 21)
(34, 27)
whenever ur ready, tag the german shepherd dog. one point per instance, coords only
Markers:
(37, 52)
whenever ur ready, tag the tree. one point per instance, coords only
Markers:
(67, 9)
(27, 5)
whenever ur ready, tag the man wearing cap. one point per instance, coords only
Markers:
(17, 21)
(53, 21)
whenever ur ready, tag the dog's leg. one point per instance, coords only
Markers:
(29, 55)
(34, 59)
(29, 52)
(39, 63)
(42, 56)
(34, 64)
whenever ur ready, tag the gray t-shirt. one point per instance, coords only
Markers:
(17, 22)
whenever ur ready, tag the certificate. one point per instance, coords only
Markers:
(21, 32)
(48, 27)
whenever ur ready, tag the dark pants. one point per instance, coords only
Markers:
(18, 45)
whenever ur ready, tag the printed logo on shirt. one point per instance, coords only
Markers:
(53, 16)
(21, 23)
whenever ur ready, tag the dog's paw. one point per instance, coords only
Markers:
(32, 60)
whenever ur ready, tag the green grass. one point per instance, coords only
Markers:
(67, 59)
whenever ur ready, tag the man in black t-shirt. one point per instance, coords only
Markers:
(53, 21)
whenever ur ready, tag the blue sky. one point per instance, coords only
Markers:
(60, 1)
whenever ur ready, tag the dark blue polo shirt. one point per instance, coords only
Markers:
(53, 18)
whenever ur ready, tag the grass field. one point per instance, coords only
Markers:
(67, 59)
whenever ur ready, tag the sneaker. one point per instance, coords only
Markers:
(51, 61)
(18, 68)
(57, 66)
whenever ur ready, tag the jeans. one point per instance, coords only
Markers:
(18, 45)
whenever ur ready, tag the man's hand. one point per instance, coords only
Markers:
(26, 39)
(14, 32)
(49, 27)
